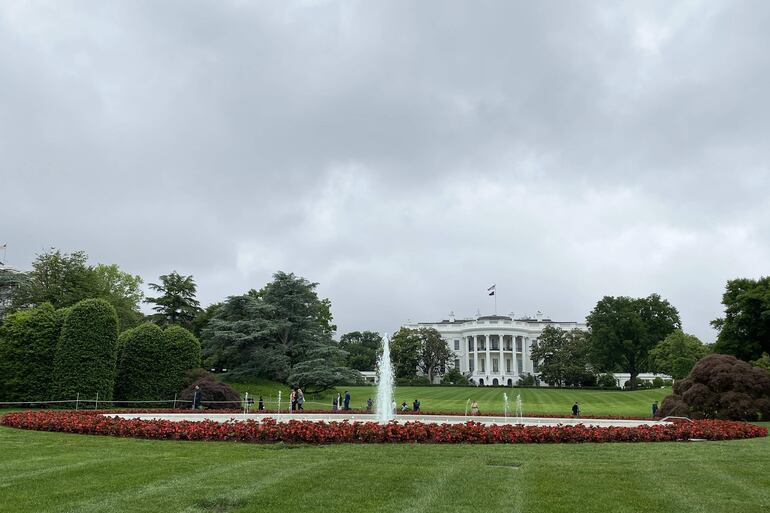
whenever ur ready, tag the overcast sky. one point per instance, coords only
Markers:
(405, 155)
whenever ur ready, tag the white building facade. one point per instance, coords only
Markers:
(494, 350)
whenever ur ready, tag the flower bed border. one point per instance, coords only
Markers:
(322, 432)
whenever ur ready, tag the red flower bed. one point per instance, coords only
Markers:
(100, 423)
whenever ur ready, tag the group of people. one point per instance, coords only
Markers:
(415, 406)
(297, 398)
(340, 402)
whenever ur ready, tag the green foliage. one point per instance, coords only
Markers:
(423, 349)
(744, 331)
(265, 333)
(562, 356)
(122, 290)
(28, 342)
(183, 355)
(154, 362)
(58, 278)
(454, 377)
(87, 352)
(176, 303)
(527, 380)
(405, 346)
(324, 369)
(142, 369)
(203, 318)
(763, 362)
(625, 329)
(606, 381)
(677, 354)
(362, 348)
(12, 284)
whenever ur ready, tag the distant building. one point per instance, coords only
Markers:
(494, 349)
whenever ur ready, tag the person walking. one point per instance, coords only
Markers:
(474, 408)
(369, 405)
(300, 399)
(261, 404)
(347, 400)
(339, 401)
(416, 405)
(655, 409)
(293, 399)
(575, 410)
(334, 403)
(196, 402)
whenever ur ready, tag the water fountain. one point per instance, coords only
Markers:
(505, 405)
(279, 401)
(385, 398)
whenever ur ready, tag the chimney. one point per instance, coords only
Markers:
(539, 316)
(452, 316)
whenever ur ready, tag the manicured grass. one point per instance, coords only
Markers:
(490, 399)
(52, 472)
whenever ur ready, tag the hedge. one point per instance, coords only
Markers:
(184, 353)
(86, 354)
(27, 346)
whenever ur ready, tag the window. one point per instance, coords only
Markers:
(482, 363)
(457, 344)
(470, 343)
(508, 365)
(495, 365)
(495, 344)
(457, 363)
(470, 364)
(520, 365)
(518, 345)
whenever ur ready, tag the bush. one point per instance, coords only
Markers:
(86, 355)
(27, 346)
(721, 387)
(526, 381)
(143, 366)
(218, 395)
(183, 354)
(454, 377)
(607, 381)
(412, 381)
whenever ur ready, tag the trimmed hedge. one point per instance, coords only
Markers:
(142, 366)
(85, 358)
(184, 354)
(153, 362)
(27, 346)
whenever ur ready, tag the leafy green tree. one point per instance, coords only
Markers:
(324, 369)
(61, 279)
(12, 284)
(28, 341)
(405, 346)
(677, 354)
(203, 318)
(362, 348)
(454, 377)
(86, 355)
(744, 331)
(176, 303)
(122, 290)
(562, 356)
(625, 329)
(423, 349)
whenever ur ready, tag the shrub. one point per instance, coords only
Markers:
(606, 381)
(658, 382)
(214, 394)
(143, 367)
(454, 377)
(412, 381)
(526, 381)
(721, 387)
(27, 346)
(86, 355)
(183, 354)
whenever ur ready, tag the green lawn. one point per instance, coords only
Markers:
(53, 472)
(490, 399)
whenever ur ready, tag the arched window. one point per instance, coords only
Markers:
(495, 382)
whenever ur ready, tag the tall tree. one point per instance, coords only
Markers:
(324, 369)
(677, 354)
(61, 279)
(562, 356)
(423, 349)
(744, 331)
(625, 329)
(123, 291)
(362, 348)
(176, 303)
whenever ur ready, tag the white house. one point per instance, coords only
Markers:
(494, 349)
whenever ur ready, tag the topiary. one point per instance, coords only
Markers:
(721, 387)
(183, 353)
(214, 394)
(142, 367)
(28, 341)
(86, 354)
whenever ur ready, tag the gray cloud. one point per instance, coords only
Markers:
(405, 155)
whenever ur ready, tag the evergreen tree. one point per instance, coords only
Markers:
(176, 303)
